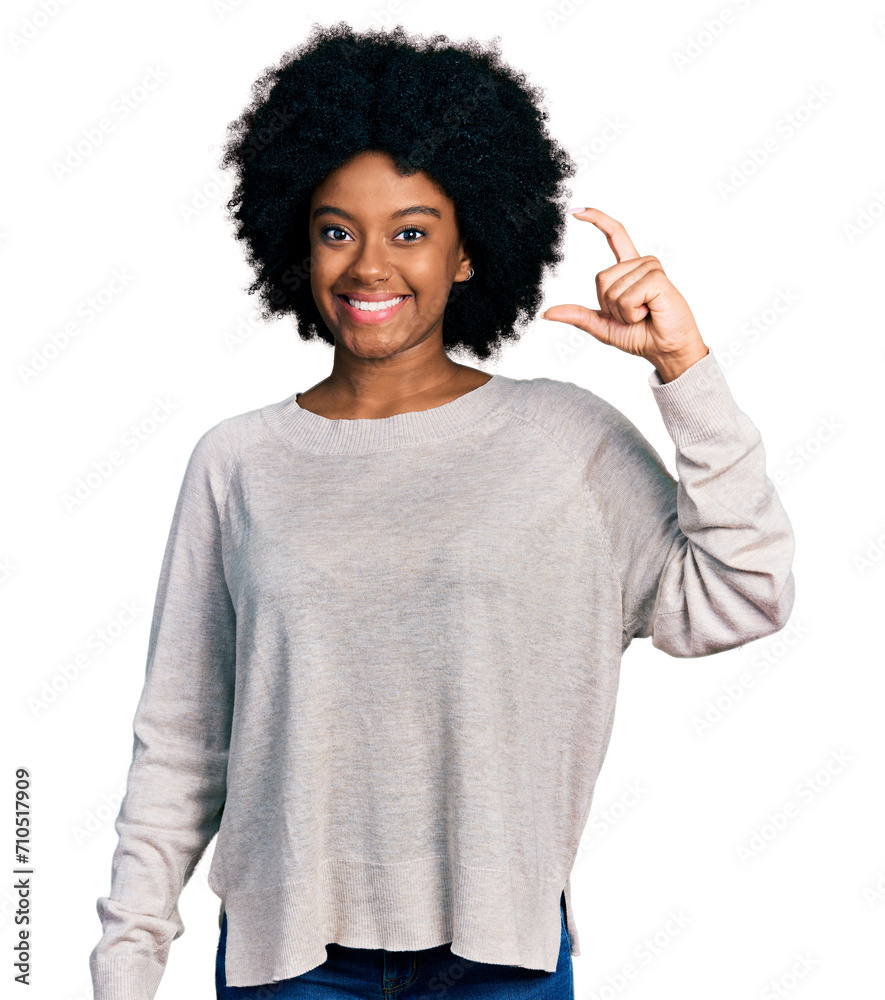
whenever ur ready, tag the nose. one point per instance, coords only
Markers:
(371, 263)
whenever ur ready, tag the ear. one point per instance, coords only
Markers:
(464, 263)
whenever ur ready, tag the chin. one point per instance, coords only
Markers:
(372, 343)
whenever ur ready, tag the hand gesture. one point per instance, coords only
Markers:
(640, 311)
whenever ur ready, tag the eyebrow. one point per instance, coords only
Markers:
(411, 210)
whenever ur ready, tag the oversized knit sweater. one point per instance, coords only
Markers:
(384, 658)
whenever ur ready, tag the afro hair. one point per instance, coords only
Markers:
(475, 126)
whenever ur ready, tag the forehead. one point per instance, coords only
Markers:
(372, 180)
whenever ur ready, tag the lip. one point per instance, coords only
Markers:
(374, 296)
(377, 316)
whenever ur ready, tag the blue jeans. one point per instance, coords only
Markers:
(376, 974)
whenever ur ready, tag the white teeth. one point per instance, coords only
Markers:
(374, 306)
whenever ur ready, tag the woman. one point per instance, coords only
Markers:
(386, 643)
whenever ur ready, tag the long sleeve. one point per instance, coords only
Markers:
(704, 562)
(177, 780)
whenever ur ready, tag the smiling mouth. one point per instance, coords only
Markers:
(379, 306)
(367, 313)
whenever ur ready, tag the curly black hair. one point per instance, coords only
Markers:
(475, 126)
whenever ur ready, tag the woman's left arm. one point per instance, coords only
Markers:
(705, 564)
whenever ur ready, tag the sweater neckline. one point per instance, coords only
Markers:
(323, 435)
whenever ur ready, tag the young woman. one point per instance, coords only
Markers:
(386, 643)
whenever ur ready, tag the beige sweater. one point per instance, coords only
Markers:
(384, 659)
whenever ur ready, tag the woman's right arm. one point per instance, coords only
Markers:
(176, 786)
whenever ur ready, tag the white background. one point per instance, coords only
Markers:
(691, 94)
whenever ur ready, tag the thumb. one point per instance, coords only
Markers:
(588, 320)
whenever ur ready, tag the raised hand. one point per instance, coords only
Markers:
(640, 311)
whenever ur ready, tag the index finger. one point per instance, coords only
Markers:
(617, 236)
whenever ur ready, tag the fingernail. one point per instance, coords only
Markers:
(577, 208)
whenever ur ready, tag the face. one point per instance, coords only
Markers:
(378, 236)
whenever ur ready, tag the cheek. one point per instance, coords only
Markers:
(323, 271)
(427, 272)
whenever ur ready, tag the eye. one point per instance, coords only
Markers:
(328, 230)
(412, 229)
(333, 229)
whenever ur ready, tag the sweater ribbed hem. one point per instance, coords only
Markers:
(698, 404)
(311, 432)
(488, 916)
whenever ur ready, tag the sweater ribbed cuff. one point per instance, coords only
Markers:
(125, 978)
(696, 405)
